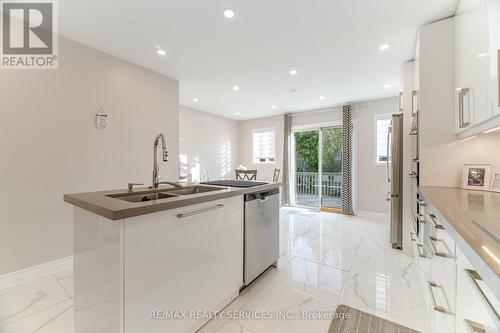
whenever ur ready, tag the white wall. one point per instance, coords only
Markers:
(444, 164)
(264, 171)
(208, 142)
(372, 187)
(50, 145)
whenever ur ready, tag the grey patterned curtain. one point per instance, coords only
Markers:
(347, 129)
(287, 130)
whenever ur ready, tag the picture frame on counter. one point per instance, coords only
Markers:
(477, 177)
(495, 183)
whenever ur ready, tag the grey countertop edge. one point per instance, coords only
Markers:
(78, 200)
(484, 270)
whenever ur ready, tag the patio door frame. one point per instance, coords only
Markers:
(311, 128)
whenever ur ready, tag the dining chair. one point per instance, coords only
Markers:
(276, 175)
(246, 174)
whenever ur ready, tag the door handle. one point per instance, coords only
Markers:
(461, 116)
(389, 130)
(263, 199)
(498, 76)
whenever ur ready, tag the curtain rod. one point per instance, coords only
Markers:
(315, 111)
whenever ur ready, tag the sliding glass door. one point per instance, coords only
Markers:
(331, 167)
(318, 168)
(307, 168)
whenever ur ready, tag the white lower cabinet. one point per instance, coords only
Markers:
(474, 314)
(186, 259)
(453, 291)
(442, 282)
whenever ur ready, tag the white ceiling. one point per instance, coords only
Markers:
(333, 44)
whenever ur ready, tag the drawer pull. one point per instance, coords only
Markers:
(474, 327)
(434, 240)
(421, 254)
(434, 219)
(436, 307)
(475, 277)
(200, 211)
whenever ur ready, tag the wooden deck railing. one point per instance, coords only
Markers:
(306, 183)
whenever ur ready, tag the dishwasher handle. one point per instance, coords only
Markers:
(261, 196)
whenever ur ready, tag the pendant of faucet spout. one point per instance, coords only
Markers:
(159, 137)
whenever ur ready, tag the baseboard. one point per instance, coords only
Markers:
(34, 272)
(373, 215)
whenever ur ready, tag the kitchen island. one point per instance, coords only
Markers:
(157, 260)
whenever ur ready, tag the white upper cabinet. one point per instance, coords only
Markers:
(477, 40)
(471, 64)
(493, 9)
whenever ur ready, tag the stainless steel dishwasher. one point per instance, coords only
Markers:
(261, 232)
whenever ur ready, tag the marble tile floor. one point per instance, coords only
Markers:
(325, 260)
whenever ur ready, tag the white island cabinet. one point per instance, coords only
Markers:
(131, 274)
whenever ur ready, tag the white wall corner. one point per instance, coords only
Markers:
(24, 275)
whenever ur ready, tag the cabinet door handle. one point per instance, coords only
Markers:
(414, 101)
(474, 327)
(436, 252)
(436, 307)
(498, 76)
(421, 253)
(388, 146)
(461, 116)
(200, 211)
(475, 277)
(434, 220)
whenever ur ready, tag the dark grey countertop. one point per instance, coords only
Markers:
(115, 209)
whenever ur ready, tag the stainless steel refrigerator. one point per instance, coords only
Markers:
(394, 169)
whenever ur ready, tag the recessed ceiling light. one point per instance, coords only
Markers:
(195, 99)
(236, 88)
(321, 97)
(293, 72)
(274, 107)
(387, 86)
(160, 51)
(384, 46)
(228, 13)
(237, 113)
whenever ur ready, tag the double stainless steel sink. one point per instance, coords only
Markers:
(158, 194)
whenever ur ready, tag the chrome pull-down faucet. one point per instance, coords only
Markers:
(164, 154)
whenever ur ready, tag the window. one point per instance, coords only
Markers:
(264, 145)
(382, 123)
